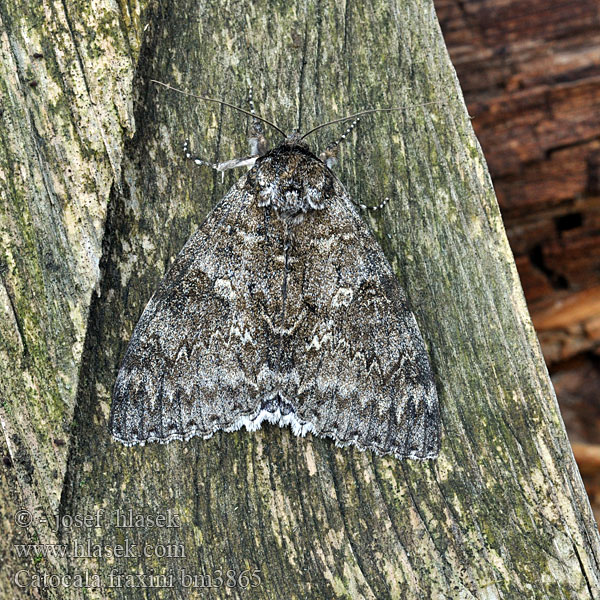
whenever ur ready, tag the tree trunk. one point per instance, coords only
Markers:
(97, 200)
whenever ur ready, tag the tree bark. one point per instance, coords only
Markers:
(97, 200)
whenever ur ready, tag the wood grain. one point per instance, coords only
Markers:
(530, 72)
(501, 514)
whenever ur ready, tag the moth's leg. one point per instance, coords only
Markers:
(329, 155)
(372, 208)
(222, 166)
(197, 160)
(256, 139)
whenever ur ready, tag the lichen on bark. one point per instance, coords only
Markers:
(102, 203)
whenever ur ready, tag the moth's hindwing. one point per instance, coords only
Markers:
(310, 330)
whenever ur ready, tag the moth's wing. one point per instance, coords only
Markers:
(201, 355)
(357, 368)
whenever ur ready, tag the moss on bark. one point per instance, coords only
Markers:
(102, 201)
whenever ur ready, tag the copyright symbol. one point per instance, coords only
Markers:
(23, 518)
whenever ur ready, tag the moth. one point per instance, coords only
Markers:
(282, 308)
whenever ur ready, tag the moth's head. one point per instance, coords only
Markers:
(291, 180)
(295, 139)
(292, 143)
(260, 147)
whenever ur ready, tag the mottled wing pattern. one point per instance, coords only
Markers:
(282, 307)
(356, 365)
(202, 354)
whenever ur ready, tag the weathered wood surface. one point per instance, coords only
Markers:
(97, 201)
(530, 72)
(530, 75)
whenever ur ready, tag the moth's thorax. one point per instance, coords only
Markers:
(292, 180)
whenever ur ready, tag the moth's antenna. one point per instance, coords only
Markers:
(246, 112)
(365, 112)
